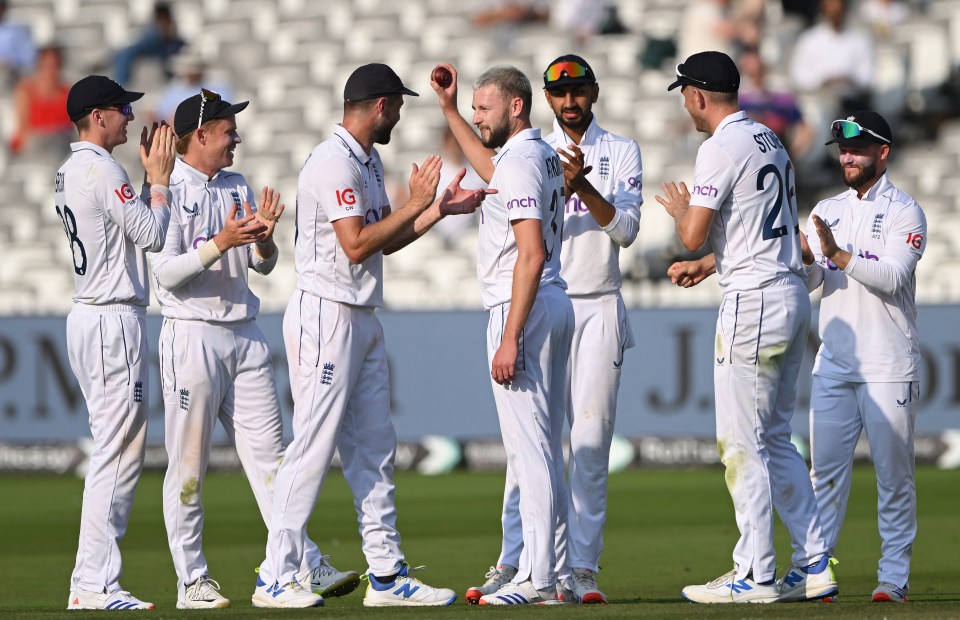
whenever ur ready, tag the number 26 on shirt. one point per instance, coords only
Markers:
(785, 201)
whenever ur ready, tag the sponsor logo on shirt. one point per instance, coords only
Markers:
(522, 203)
(575, 205)
(346, 198)
(915, 240)
(633, 182)
(192, 212)
(706, 190)
(125, 193)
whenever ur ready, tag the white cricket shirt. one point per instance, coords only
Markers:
(200, 209)
(529, 180)
(590, 258)
(868, 313)
(339, 180)
(108, 227)
(745, 175)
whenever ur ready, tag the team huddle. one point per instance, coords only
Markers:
(554, 214)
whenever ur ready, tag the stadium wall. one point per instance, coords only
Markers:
(442, 403)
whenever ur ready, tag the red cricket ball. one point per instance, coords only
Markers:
(442, 76)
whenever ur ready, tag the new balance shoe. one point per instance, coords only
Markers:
(497, 577)
(585, 587)
(809, 583)
(204, 593)
(291, 595)
(115, 601)
(522, 594)
(728, 589)
(327, 581)
(405, 591)
(888, 593)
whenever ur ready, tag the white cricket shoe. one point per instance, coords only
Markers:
(405, 591)
(119, 600)
(522, 594)
(291, 595)
(585, 587)
(809, 583)
(497, 577)
(204, 593)
(887, 592)
(327, 581)
(728, 589)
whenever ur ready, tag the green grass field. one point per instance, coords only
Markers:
(665, 529)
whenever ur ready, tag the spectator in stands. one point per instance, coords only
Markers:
(158, 40)
(777, 109)
(496, 12)
(586, 18)
(189, 72)
(706, 25)
(834, 59)
(884, 15)
(40, 107)
(17, 53)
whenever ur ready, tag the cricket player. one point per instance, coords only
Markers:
(531, 320)
(602, 214)
(215, 363)
(335, 344)
(743, 200)
(864, 248)
(109, 229)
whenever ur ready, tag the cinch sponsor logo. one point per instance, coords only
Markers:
(633, 182)
(705, 190)
(867, 254)
(575, 205)
(125, 192)
(522, 203)
(199, 241)
(346, 197)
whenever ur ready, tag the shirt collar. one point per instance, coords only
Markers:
(192, 175)
(90, 146)
(732, 118)
(590, 136)
(351, 142)
(531, 133)
(881, 186)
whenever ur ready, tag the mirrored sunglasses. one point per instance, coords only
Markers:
(850, 129)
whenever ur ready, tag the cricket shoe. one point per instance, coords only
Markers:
(728, 589)
(116, 601)
(565, 591)
(327, 581)
(291, 595)
(204, 593)
(886, 592)
(522, 594)
(405, 591)
(585, 587)
(497, 577)
(809, 583)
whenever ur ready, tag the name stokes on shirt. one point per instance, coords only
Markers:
(767, 141)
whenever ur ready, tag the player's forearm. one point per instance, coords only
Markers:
(887, 276)
(173, 271)
(377, 237)
(424, 222)
(601, 210)
(150, 232)
(479, 156)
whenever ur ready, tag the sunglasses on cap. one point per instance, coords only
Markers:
(687, 77)
(570, 68)
(849, 129)
(205, 96)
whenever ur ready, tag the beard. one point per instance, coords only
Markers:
(381, 134)
(498, 135)
(864, 175)
(581, 122)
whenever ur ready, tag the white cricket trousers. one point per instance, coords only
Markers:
(209, 372)
(531, 410)
(109, 355)
(600, 336)
(839, 410)
(341, 392)
(760, 341)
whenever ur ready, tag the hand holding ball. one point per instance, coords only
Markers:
(442, 76)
